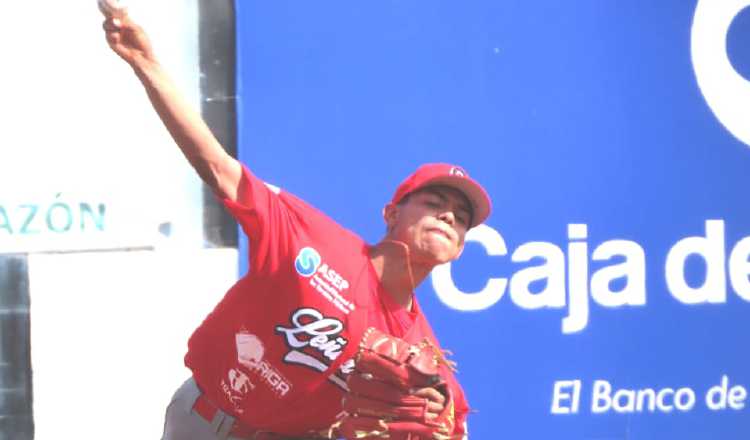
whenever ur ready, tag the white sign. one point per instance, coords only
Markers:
(85, 162)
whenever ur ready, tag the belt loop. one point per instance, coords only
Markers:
(222, 424)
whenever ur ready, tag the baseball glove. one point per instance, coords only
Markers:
(381, 402)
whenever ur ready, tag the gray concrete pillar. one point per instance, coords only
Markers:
(16, 419)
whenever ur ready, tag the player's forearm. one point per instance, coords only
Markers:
(213, 164)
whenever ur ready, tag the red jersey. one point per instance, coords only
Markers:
(276, 350)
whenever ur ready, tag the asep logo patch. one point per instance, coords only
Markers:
(307, 262)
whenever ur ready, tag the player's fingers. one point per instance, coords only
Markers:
(114, 39)
(431, 394)
(435, 401)
(433, 411)
(108, 26)
(102, 8)
(126, 25)
(111, 10)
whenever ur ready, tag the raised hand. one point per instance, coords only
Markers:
(210, 160)
(127, 39)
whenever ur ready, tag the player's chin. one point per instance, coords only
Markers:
(441, 253)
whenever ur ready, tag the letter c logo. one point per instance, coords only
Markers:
(451, 296)
(726, 92)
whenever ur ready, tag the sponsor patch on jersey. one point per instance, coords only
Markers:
(314, 342)
(236, 385)
(250, 353)
(323, 278)
(307, 261)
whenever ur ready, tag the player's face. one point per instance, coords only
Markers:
(432, 222)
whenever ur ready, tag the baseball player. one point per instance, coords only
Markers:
(275, 358)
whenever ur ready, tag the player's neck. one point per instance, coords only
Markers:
(397, 273)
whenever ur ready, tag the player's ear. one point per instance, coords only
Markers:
(390, 216)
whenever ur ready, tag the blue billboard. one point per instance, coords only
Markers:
(608, 295)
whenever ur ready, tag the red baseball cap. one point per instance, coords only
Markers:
(449, 175)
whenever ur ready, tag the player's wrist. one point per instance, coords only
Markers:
(147, 69)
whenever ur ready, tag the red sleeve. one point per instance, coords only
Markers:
(265, 216)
